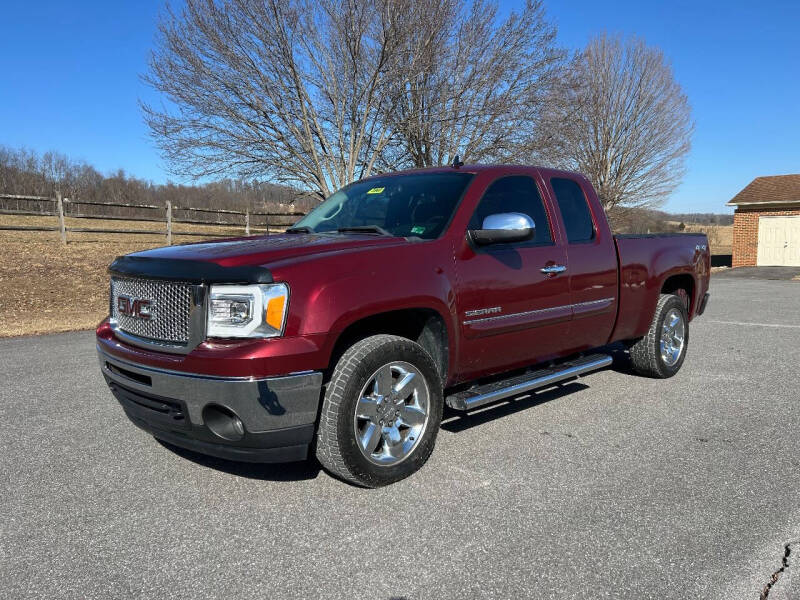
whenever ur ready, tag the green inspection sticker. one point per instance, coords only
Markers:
(417, 229)
(376, 191)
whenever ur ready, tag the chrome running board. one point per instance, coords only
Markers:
(516, 386)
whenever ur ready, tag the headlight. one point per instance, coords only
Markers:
(247, 311)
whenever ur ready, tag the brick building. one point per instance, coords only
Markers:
(766, 223)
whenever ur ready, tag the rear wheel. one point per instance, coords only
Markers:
(381, 412)
(661, 352)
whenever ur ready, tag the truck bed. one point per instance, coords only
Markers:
(645, 262)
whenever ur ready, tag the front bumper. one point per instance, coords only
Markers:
(276, 414)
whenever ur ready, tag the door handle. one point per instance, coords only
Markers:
(553, 269)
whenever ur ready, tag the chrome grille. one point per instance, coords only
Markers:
(170, 307)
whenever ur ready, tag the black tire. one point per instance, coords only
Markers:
(646, 355)
(337, 447)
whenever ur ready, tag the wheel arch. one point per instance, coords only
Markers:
(423, 325)
(681, 281)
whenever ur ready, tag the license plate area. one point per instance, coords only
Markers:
(166, 413)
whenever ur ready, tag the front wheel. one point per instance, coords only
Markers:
(381, 412)
(661, 352)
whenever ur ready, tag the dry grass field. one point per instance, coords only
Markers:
(720, 237)
(48, 287)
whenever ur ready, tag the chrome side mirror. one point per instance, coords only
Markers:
(504, 228)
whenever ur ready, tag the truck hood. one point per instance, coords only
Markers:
(267, 249)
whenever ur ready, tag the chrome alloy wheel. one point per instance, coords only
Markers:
(391, 413)
(673, 335)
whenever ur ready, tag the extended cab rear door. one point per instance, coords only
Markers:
(591, 259)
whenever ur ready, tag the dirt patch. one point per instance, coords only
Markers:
(46, 287)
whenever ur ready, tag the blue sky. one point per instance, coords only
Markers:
(71, 81)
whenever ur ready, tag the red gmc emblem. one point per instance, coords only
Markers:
(130, 307)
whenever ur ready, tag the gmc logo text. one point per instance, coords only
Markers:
(136, 308)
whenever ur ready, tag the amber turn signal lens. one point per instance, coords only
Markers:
(274, 316)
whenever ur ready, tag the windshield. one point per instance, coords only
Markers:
(413, 205)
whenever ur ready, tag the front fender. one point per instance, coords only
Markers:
(329, 294)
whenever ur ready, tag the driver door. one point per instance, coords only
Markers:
(511, 312)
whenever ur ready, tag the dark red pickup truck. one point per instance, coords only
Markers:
(399, 294)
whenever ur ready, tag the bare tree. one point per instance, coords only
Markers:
(620, 117)
(480, 85)
(322, 93)
(292, 90)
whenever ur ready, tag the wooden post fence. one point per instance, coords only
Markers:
(169, 223)
(58, 206)
(62, 226)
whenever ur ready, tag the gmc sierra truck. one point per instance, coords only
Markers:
(347, 335)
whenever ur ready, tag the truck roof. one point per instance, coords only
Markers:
(480, 168)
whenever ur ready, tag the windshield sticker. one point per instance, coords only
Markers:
(417, 229)
(376, 191)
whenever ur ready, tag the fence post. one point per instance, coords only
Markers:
(169, 223)
(266, 219)
(62, 227)
(247, 222)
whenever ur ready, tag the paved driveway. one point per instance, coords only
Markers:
(780, 273)
(615, 486)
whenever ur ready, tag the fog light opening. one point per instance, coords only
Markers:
(223, 422)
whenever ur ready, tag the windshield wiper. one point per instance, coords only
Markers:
(365, 229)
(301, 229)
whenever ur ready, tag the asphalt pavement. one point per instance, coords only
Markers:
(780, 273)
(614, 486)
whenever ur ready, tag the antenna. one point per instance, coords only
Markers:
(457, 162)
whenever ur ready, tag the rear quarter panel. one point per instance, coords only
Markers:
(645, 263)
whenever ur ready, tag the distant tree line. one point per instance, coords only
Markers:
(702, 218)
(24, 172)
(646, 220)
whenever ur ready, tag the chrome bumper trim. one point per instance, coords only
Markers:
(263, 404)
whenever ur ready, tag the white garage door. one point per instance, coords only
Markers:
(779, 241)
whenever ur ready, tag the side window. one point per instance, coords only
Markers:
(574, 210)
(517, 193)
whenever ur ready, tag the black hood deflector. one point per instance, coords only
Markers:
(194, 271)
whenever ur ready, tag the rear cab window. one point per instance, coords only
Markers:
(574, 208)
(515, 194)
